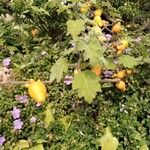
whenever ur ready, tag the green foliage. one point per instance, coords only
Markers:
(93, 51)
(57, 70)
(21, 145)
(108, 142)
(128, 61)
(87, 85)
(49, 116)
(75, 27)
(65, 120)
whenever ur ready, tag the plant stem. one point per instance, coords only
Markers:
(48, 82)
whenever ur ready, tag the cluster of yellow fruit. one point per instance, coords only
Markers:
(122, 44)
(121, 85)
(98, 20)
(119, 46)
(37, 90)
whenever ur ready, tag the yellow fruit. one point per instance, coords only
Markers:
(123, 45)
(119, 52)
(121, 74)
(121, 85)
(98, 21)
(117, 28)
(84, 9)
(98, 12)
(102, 38)
(37, 90)
(35, 32)
(105, 23)
(129, 72)
(97, 70)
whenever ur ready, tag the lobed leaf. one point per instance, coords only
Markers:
(108, 142)
(87, 84)
(74, 27)
(128, 61)
(58, 69)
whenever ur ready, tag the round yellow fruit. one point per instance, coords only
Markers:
(121, 85)
(98, 21)
(121, 74)
(105, 23)
(129, 72)
(37, 90)
(117, 28)
(97, 70)
(123, 45)
(98, 12)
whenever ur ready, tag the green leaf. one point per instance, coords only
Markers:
(37, 147)
(21, 144)
(92, 51)
(49, 116)
(66, 121)
(87, 84)
(144, 147)
(74, 27)
(40, 141)
(29, 2)
(109, 64)
(128, 61)
(58, 68)
(74, 1)
(108, 142)
(39, 10)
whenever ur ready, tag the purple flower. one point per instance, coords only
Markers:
(108, 36)
(22, 98)
(2, 140)
(68, 80)
(6, 62)
(137, 40)
(33, 119)
(108, 73)
(18, 124)
(15, 113)
(38, 104)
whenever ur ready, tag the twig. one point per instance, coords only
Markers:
(110, 80)
(48, 82)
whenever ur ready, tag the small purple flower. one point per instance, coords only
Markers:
(6, 62)
(15, 113)
(68, 80)
(38, 104)
(137, 40)
(22, 98)
(108, 36)
(18, 124)
(108, 73)
(2, 140)
(33, 119)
